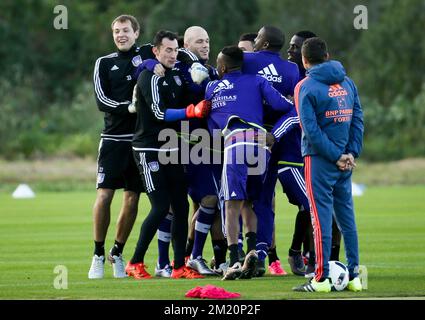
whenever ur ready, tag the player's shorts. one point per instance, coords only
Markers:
(244, 167)
(293, 184)
(157, 176)
(116, 168)
(203, 180)
(287, 151)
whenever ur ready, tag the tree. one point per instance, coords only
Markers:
(224, 20)
(389, 59)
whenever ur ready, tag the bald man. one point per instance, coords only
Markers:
(197, 41)
(202, 187)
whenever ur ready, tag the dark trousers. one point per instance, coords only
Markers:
(166, 187)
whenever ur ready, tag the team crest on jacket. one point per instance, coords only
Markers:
(178, 80)
(153, 166)
(136, 60)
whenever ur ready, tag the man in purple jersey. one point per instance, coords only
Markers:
(238, 112)
(303, 231)
(283, 75)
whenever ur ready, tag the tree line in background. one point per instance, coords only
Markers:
(46, 93)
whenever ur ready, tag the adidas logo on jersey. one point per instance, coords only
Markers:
(233, 194)
(336, 90)
(115, 67)
(270, 73)
(223, 85)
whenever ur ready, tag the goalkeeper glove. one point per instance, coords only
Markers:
(198, 72)
(201, 110)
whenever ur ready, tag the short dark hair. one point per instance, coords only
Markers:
(161, 34)
(127, 17)
(314, 50)
(248, 37)
(305, 34)
(275, 37)
(233, 56)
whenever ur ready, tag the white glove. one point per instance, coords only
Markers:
(132, 105)
(132, 108)
(198, 72)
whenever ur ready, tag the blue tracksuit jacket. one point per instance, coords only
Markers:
(330, 112)
(332, 124)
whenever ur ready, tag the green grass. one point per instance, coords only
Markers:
(79, 174)
(56, 229)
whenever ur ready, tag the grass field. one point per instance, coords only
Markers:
(55, 229)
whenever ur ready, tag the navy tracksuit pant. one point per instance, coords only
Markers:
(329, 192)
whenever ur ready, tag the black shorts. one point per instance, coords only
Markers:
(116, 168)
(159, 177)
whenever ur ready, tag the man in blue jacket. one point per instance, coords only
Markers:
(332, 136)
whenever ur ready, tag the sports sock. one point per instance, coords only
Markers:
(334, 253)
(311, 258)
(202, 226)
(293, 252)
(99, 248)
(240, 239)
(272, 254)
(336, 241)
(301, 228)
(189, 247)
(164, 238)
(177, 265)
(262, 249)
(234, 256)
(220, 250)
(117, 248)
(240, 242)
(251, 240)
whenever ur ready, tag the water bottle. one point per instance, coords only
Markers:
(363, 276)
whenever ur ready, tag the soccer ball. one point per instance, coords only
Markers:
(338, 273)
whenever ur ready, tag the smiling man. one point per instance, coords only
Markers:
(294, 50)
(202, 177)
(196, 40)
(159, 107)
(113, 85)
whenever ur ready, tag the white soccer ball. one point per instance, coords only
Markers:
(338, 273)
